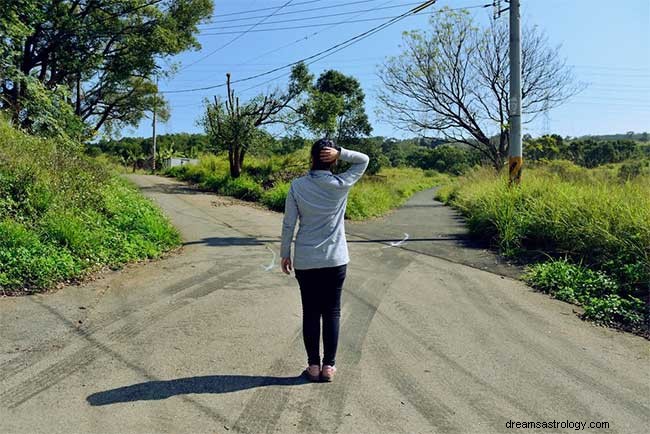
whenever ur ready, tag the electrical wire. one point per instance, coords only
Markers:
(308, 26)
(304, 38)
(264, 9)
(338, 14)
(338, 5)
(323, 53)
(339, 49)
(242, 34)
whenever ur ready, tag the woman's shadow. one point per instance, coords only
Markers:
(152, 390)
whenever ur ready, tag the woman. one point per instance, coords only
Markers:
(321, 256)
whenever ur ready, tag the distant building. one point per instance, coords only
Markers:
(178, 161)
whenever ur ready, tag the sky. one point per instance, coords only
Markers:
(606, 43)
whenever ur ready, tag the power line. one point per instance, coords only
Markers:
(236, 37)
(343, 47)
(304, 38)
(338, 5)
(338, 14)
(324, 53)
(302, 27)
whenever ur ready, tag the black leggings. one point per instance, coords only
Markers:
(320, 291)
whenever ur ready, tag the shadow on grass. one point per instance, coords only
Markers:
(216, 384)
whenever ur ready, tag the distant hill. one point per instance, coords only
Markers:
(630, 135)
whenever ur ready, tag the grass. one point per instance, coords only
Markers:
(592, 219)
(63, 215)
(267, 180)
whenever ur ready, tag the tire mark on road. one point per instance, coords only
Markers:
(415, 321)
(543, 351)
(259, 416)
(438, 414)
(135, 324)
(361, 300)
(21, 362)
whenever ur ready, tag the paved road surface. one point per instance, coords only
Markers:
(208, 341)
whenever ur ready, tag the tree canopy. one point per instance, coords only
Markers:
(91, 59)
(453, 79)
(335, 107)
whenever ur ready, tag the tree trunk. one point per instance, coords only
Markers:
(242, 152)
(235, 166)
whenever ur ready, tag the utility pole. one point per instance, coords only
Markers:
(515, 160)
(153, 124)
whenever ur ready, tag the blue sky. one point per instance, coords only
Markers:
(606, 42)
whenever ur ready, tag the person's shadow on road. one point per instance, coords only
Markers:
(152, 390)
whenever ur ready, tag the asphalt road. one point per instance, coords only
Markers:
(436, 337)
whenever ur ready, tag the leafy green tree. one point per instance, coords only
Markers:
(546, 147)
(592, 153)
(336, 108)
(372, 148)
(395, 153)
(97, 57)
(444, 158)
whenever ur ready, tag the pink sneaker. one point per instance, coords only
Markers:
(313, 372)
(327, 374)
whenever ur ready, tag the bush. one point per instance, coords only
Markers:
(597, 292)
(242, 188)
(576, 213)
(614, 310)
(373, 196)
(372, 148)
(569, 282)
(443, 158)
(275, 197)
(633, 169)
(62, 215)
(267, 180)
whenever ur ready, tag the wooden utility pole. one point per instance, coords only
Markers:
(515, 160)
(153, 124)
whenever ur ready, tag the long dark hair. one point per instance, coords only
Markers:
(316, 163)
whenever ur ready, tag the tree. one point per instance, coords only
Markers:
(454, 79)
(233, 127)
(101, 53)
(335, 108)
(546, 147)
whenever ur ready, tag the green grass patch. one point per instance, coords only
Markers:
(375, 195)
(63, 215)
(590, 217)
(267, 180)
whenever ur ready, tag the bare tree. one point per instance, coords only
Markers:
(235, 127)
(454, 79)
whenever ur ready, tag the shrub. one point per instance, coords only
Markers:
(614, 310)
(570, 212)
(63, 215)
(275, 197)
(443, 158)
(569, 282)
(372, 148)
(242, 188)
(633, 169)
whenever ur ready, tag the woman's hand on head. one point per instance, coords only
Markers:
(329, 155)
(286, 265)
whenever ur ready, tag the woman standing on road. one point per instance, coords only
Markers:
(321, 251)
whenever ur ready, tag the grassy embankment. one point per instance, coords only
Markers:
(267, 180)
(592, 225)
(63, 215)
